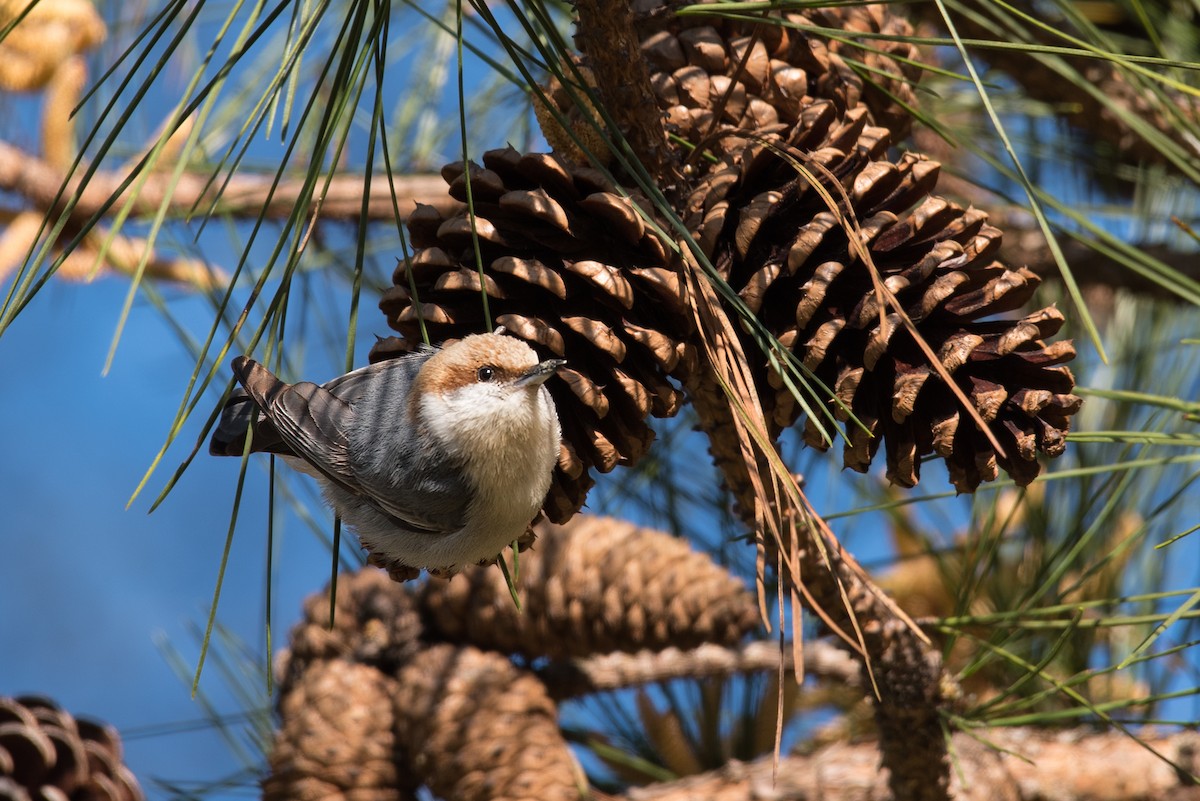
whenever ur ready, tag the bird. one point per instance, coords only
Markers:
(437, 459)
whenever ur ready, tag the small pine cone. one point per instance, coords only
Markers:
(700, 69)
(788, 256)
(337, 741)
(45, 753)
(594, 586)
(478, 728)
(570, 267)
(375, 623)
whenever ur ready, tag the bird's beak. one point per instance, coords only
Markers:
(539, 372)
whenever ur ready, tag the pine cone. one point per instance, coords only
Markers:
(593, 586)
(716, 78)
(701, 69)
(797, 92)
(337, 741)
(571, 267)
(551, 235)
(45, 753)
(481, 729)
(787, 255)
(375, 623)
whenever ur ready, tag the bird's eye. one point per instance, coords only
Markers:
(486, 373)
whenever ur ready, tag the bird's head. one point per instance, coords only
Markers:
(484, 391)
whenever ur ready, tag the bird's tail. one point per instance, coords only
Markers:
(240, 411)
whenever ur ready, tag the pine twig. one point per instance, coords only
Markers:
(567, 679)
(244, 196)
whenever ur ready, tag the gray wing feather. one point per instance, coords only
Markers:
(391, 457)
(347, 430)
(229, 435)
(352, 386)
(311, 420)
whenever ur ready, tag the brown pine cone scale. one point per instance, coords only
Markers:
(595, 585)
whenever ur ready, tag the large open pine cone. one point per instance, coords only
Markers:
(572, 268)
(778, 244)
(45, 753)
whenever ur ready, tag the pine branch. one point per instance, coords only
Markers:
(34, 179)
(567, 679)
(1079, 765)
(606, 35)
(903, 667)
(244, 196)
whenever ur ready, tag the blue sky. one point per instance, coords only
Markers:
(86, 586)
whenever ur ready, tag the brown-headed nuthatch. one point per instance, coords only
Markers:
(437, 460)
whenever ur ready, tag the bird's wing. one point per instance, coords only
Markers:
(353, 385)
(229, 434)
(311, 420)
(315, 424)
(432, 495)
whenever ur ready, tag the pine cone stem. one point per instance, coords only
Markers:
(906, 670)
(606, 35)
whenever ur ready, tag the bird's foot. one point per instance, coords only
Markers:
(397, 570)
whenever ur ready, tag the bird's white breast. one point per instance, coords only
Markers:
(508, 440)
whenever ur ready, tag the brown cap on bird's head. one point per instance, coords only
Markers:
(459, 364)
